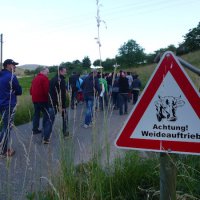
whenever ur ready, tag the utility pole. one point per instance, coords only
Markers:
(1, 62)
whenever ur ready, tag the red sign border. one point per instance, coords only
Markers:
(167, 64)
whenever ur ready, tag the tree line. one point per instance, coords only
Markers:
(131, 54)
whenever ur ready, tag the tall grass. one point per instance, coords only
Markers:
(128, 178)
(25, 83)
(24, 111)
(193, 58)
(188, 176)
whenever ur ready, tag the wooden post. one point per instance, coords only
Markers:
(167, 177)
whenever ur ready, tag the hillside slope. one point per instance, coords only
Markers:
(146, 71)
(193, 58)
(29, 66)
(19, 71)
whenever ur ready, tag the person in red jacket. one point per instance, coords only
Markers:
(39, 92)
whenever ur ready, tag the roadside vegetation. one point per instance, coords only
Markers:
(129, 178)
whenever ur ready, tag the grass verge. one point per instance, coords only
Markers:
(128, 178)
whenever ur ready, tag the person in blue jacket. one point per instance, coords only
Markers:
(9, 90)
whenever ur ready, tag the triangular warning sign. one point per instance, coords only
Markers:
(167, 115)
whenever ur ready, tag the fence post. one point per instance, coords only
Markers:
(167, 177)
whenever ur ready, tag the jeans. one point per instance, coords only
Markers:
(73, 98)
(38, 108)
(123, 102)
(115, 99)
(7, 114)
(51, 118)
(65, 129)
(89, 100)
(135, 96)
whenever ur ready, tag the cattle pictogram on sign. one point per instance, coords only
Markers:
(166, 107)
(166, 118)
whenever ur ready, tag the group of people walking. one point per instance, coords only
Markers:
(50, 97)
(97, 88)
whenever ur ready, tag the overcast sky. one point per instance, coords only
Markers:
(49, 32)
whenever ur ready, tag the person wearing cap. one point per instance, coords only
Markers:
(39, 91)
(9, 90)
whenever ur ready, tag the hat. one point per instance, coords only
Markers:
(9, 62)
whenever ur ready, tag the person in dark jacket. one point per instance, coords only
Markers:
(90, 86)
(115, 91)
(73, 79)
(136, 86)
(123, 93)
(9, 90)
(39, 91)
(57, 103)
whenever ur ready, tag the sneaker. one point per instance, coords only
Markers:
(46, 141)
(36, 132)
(8, 153)
(85, 126)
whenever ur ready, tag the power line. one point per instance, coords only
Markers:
(128, 11)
